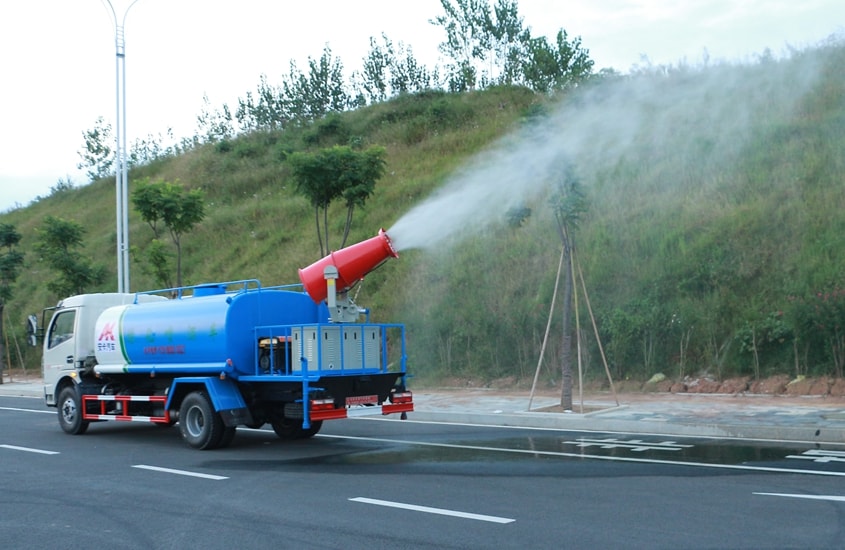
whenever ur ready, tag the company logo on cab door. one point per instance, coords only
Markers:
(105, 342)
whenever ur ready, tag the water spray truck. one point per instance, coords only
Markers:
(216, 356)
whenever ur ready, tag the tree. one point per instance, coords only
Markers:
(266, 110)
(178, 209)
(359, 180)
(486, 46)
(214, 125)
(57, 245)
(490, 47)
(568, 204)
(507, 40)
(62, 186)
(150, 149)
(336, 172)
(307, 97)
(97, 155)
(467, 24)
(301, 98)
(390, 70)
(550, 68)
(326, 90)
(407, 76)
(11, 260)
(374, 77)
(156, 261)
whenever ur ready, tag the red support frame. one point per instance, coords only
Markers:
(124, 401)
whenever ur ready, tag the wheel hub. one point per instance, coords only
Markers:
(69, 411)
(194, 421)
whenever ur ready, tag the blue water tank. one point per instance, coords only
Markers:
(197, 334)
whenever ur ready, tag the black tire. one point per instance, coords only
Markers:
(70, 412)
(286, 428)
(200, 425)
(312, 431)
(291, 428)
(258, 420)
(228, 436)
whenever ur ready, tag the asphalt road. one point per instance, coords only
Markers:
(391, 484)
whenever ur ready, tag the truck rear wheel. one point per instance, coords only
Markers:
(312, 431)
(228, 436)
(70, 412)
(291, 428)
(200, 425)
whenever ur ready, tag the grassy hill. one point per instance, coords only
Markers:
(712, 242)
(256, 225)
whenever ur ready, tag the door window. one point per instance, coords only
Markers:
(61, 329)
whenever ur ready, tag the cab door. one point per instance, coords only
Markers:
(59, 350)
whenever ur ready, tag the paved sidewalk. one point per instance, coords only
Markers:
(812, 419)
(780, 418)
(30, 386)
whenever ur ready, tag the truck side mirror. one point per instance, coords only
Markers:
(32, 330)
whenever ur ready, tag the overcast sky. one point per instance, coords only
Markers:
(57, 57)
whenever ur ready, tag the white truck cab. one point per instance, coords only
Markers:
(69, 339)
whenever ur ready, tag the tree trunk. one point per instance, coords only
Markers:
(566, 342)
(326, 228)
(2, 344)
(178, 263)
(319, 232)
(348, 225)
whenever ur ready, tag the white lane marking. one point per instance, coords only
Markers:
(818, 455)
(810, 497)
(429, 510)
(179, 472)
(29, 450)
(581, 430)
(595, 457)
(25, 410)
(637, 445)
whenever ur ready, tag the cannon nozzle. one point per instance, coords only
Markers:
(352, 264)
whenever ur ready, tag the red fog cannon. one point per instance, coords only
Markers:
(341, 270)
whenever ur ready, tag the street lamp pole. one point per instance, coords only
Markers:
(121, 176)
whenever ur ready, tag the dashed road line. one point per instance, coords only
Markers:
(834, 498)
(179, 472)
(29, 450)
(429, 510)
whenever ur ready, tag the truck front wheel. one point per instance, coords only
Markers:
(70, 412)
(200, 425)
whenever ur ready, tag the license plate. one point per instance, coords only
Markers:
(362, 400)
